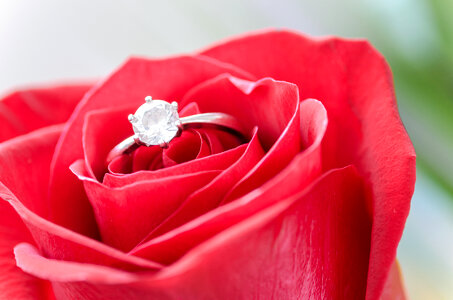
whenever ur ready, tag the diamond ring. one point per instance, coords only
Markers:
(156, 123)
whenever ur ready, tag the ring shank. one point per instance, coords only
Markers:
(219, 120)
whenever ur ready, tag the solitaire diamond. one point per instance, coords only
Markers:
(156, 122)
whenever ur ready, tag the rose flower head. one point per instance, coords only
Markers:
(269, 166)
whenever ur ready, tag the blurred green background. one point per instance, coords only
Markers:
(51, 40)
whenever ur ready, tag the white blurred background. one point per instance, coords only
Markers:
(51, 41)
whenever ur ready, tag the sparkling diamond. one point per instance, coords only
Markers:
(155, 122)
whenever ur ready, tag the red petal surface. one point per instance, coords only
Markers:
(166, 79)
(394, 287)
(325, 229)
(355, 85)
(270, 105)
(102, 130)
(280, 133)
(14, 283)
(210, 196)
(141, 205)
(28, 110)
(26, 191)
(305, 167)
(218, 161)
(189, 146)
(335, 239)
(306, 246)
(29, 259)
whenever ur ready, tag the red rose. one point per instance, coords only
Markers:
(311, 207)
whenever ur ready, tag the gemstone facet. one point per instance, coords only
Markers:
(156, 122)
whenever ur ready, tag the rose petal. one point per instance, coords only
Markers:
(189, 146)
(166, 79)
(14, 283)
(266, 103)
(218, 140)
(29, 156)
(394, 287)
(311, 244)
(218, 161)
(24, 172)
(271, 105)
(102, 130)
(141, 205)
(60, 243)
(209, 196)
(25, 189)
(122, 164)
(29, 260)
(189, 109)
(354, 83)
(214, 140)
(145, 158)
(305, 167)
(27, 110)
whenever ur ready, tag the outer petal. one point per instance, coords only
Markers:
(301, 172)
(29, 259)
(354, 83)
(272, 106)
(15, 284)
(279, 132)
(210, 196)
(28, 110)
(317, 247)
(25, 189)
(127, 214)
(166, 78)
(309, 246)
(394, 288)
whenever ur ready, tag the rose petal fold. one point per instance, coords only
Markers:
(394, 288)
(218, 161)
(141, 205)
(14, 283)
(304, 168)
(310, 244)
(103, 129)
(25, 190)
(31, 261)
(354, 83)
(164, 78)
(27, 110)
(270, 105)
(209, 196)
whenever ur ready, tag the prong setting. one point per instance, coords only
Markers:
(132, 118)
(156, 122)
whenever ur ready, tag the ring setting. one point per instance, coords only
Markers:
(157, 123)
